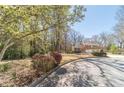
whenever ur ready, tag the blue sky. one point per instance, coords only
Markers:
(97, 19)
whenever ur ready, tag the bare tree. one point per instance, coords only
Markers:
(119, 27)
(74, 37)
(103, 39)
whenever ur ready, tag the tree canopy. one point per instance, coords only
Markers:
(18, 22)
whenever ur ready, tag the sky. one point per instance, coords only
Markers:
(97, 19)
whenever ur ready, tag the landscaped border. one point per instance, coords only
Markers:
(40, 79)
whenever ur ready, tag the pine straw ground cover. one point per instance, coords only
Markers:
(20, 72)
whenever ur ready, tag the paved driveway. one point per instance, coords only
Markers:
(90, 72)
(113, 68)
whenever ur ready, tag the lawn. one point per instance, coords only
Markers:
(20, 73)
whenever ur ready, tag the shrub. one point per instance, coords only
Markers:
(43, 62)
(4, 67)
(114, 49)
(57, 56)
(14, 53)
(101, 53)
(18, 51)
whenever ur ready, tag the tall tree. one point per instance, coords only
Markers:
(19, 22)
(63, 14)
(15, 23)
(119, 27)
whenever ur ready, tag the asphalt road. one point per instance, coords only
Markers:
(112, 68)
(89, 72)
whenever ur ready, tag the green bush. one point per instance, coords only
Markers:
(4, 67)
(15, 52)
(43, 63)
(114, 49)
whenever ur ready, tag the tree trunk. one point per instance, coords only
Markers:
(58, 42)
(65, 44)
(6, 46)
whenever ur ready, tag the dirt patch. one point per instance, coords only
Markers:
(70, 57)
